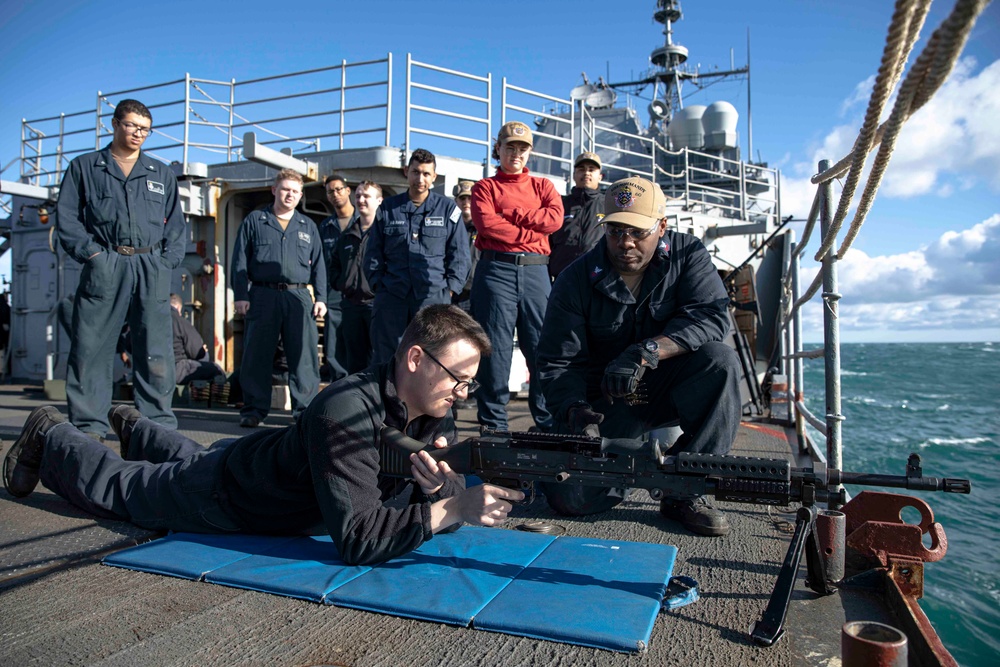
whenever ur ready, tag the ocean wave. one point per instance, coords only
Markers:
(953, 441)
(944, 407)
(853, 373)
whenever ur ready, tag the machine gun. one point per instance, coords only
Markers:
(518, 460)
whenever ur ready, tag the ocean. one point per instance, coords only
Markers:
(943, 402)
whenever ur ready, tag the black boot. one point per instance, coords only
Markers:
(20, 466)
(123, 419)
(697, 514)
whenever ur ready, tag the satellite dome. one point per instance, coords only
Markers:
(719, 122)
(686, 129)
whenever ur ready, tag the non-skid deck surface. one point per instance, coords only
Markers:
(589, 592)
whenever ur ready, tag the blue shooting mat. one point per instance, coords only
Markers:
(589, 592)
(191, 555)
(600, 593)
(448, 579)
(306, 568)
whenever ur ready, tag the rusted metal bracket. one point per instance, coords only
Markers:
(878, 536)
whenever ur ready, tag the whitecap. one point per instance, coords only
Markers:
(853, 373)
(953, 441)
(944, 407)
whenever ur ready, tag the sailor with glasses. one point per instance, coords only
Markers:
(335, 354)
(320, 475)
(120, 218)
(633, 341)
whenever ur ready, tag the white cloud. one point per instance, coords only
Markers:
(951, 144)
(954, 283)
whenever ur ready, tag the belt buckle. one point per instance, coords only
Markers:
(126, 250)
(282, 287)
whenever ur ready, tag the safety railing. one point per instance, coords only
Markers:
(430, 91)
(556, 119)
(198, 119)
(348, 104)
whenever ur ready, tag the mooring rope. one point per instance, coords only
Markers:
(931, 69)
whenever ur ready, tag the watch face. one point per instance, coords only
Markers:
(651, 346)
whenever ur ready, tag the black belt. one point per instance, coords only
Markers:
(282, 286)
(130, 250)
(519, 258)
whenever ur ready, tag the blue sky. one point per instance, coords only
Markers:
(926, 265)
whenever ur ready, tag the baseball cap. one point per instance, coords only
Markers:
(634, 202)
(515, 131)
(462, 189)
(587, 156)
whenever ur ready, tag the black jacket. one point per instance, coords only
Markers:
(581, 230)
(592, 317)
(323, 472)
(347, 271)
(188, 343)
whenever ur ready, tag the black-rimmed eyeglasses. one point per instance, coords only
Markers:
(132, 128)
(470, 385)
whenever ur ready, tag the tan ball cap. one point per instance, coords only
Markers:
(515, 131)
(587, 157)
(634, 202)
(462, 189)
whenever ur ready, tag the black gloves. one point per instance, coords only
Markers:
(621, 376)
(583, 419)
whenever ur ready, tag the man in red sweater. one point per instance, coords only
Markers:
(514, 213)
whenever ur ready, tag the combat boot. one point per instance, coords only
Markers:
(20, 466)
(123, 419)
(698, 514)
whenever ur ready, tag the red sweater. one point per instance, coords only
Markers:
(515, 213)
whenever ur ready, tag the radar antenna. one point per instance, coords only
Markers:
(669, 67)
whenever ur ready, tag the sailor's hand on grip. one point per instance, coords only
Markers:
(622, 375)
(480, 505)
(430, 474)
(487, 505)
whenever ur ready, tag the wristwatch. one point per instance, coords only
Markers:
(650, 345)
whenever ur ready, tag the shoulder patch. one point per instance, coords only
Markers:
(456, 214)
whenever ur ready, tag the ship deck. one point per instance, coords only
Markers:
(61, 606)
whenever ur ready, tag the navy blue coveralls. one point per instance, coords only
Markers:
(333, 345)
(592, 317)
(271, 269)
(416, 256)
(129, 233)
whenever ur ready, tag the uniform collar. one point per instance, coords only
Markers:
(395, 409)
(354, 226)
(585, 193)
(606, 280)
(271, 217)
(144, 165)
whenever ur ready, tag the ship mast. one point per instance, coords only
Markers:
(670, 69)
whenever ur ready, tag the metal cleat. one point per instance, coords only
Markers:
(876, 533)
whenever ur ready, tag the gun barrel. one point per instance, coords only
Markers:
(945, 484)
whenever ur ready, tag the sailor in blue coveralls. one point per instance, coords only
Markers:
(278, 254)
(417, 254)
(118, 215)
(339, 196)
